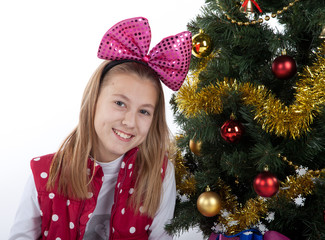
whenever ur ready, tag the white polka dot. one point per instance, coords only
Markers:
(41, 212)
(130, 165)
(147, 227)
(131, 190)
(141, 209)
(88, 171)
(121, 191)
(123, 165)
(46, 233)
(102, 178)
(132, 229)
(55, 217)
(71, 225)
(90, 195)
(130, 174)
(89, 215)
(37, 159)
(123, 211)
(51, 195)
(68, 202)
(43, 175)
(118, 185)
(161, 170)
(113, 229)
(58, 238)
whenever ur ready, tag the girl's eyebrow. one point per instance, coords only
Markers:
(121, 96)
(128, 100)
(148, 106)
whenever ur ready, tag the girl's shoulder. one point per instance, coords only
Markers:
(40, 167)
(42, 161)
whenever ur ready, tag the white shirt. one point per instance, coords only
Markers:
(27, 223)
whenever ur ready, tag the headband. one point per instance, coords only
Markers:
(130, 40)
(112, 64)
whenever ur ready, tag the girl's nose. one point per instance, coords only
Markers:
(129, 119)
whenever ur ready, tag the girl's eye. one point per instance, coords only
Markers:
(145, 112)
(120, 103)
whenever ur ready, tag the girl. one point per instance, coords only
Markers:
(111, 179)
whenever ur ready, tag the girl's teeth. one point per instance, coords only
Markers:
(122, 134)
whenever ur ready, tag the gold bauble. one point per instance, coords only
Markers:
(195, 147)
(209, 203)
(201, 45)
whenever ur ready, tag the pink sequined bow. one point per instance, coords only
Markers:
(130, 39)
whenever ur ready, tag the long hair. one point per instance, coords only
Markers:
(69, 166)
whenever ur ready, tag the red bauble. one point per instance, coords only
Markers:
(284, 67)
(266, 184)
(232, 130)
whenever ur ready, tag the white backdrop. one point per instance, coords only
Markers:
(48, 51)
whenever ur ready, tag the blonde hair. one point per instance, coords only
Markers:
(69, 165)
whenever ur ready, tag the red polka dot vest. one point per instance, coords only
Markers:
(66, 219)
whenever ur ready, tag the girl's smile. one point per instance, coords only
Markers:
(122, 135)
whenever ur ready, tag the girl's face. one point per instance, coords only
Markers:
(124, 114)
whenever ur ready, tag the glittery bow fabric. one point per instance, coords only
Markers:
(130, 39)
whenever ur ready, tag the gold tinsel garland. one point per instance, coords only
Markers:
(272, 114)
(237, 217)
(185, 183)
(255, 209)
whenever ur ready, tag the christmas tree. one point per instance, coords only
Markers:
(251, 144)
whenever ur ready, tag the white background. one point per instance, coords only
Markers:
(48, 51)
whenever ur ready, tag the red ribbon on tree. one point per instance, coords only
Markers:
(255, 3)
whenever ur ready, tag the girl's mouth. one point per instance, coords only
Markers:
(123, 135)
